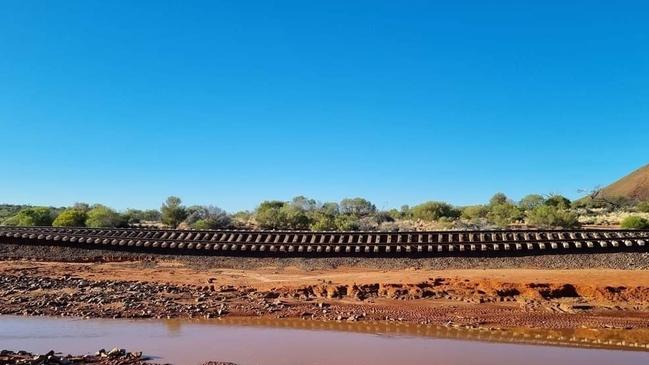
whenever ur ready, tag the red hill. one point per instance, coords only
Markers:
(634, 186)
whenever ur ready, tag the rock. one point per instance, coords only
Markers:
(116, 352)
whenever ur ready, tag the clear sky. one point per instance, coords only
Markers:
(233, 102)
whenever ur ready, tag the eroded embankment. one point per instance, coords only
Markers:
(179, 289)
(482, 291)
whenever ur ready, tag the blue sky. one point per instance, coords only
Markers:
(233, 102)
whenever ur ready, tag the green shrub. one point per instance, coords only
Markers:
(133, 216)
(347, 222)
(634, 222)
(433, 211)
(498, 198)
(475, 212)
(101, 216)
(295, 217)
(173, 212)
(552, 216)
(281, 215)
(10, 210)
(33, 216)
(558, 201)
(531, 201)
(357, 206)
(207, 217)
(321, 221)
(504, 214)
(268, 215)
(202, 224)
(643, 207)
(71, 217)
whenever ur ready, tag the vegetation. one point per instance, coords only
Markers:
(498, 199)
(9, 210)
(550, 216)
(71, 217)
(101, 216)
(357, 206)
(207, 217)
(634, 222)
(475, 212)
(643, 207)
(433, 211)
(531, 201)
(502, 211)
(32, 216)
(272, 215)
(302, 213)
(504, 214)
(173, 212)
(558, 201)
(136, 216)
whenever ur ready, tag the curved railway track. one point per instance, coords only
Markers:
(304, 243)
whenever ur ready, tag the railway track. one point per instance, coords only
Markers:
(304, 243)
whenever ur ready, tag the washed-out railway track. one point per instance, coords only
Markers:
(304, 243)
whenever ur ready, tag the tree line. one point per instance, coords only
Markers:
(302, 213)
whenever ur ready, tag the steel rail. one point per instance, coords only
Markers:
(305, 243)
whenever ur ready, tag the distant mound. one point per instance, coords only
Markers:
(634, 186)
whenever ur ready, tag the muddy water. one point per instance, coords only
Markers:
(296, 342)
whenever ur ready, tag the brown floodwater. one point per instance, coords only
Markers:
(301, 342)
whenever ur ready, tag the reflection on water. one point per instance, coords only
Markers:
(621, 339)
(299, 342)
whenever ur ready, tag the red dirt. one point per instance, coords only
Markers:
(491, 298)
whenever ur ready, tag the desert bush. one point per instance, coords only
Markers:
(382, 216)
(433, 211)
(498, 198)
(10, 210)
(552, 216)
(173, 212)
(243, 215)
(347, 222)
(330, 208)
(32, 216)
(357, 206)
(531, 201)
(102, 216)
(321, 221)
(295, 217)
(207, 217)
(268, 215)
(558, 201)
(474, 212)
(71, 217)
(634, 222)
(504, 214)
(304, 203)
(643, 207)
(395, 214)
(134, 216)
(603, 202)
(151, 215)
(281, 215)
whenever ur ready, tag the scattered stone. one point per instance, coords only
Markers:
(115, 356)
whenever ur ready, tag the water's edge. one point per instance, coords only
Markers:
(294, 341)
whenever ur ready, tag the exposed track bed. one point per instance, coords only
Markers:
(302, 243)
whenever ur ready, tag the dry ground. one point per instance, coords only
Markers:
(511, 292)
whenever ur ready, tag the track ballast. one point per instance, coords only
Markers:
(306, 243)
